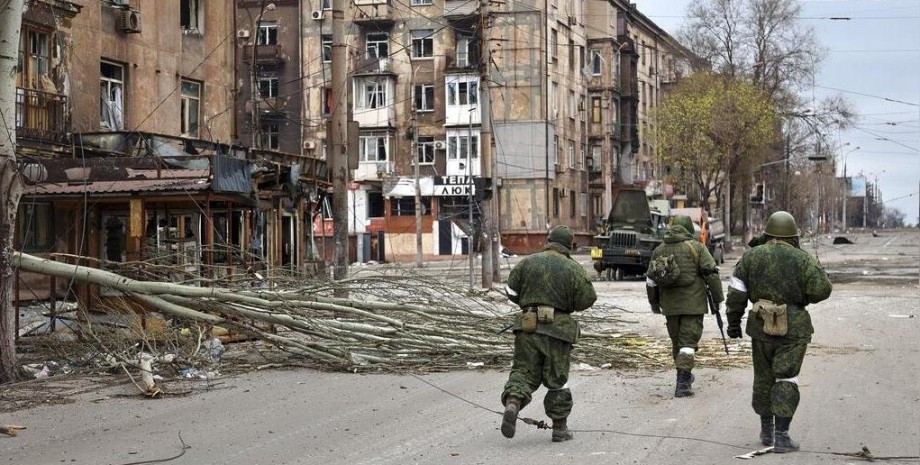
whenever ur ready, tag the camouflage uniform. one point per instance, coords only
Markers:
(549, 278)
(684, 303)
(780, 272)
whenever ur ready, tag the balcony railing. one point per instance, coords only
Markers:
(265, 54)
(41, 115)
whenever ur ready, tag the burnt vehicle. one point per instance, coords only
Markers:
(632, 231)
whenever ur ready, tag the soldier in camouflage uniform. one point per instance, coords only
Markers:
(554, 280)
(776, 275)
(683, 301)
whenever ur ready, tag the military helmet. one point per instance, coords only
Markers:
(781, 224)
(683, 220)
(561, 235)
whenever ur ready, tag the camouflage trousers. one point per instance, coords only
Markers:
(685, 332)
(540, 359)
(776, 369)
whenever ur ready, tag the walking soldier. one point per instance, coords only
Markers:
(548, 287)
(679, 273)
(780, 279)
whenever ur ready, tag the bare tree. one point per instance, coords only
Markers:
(10, 182)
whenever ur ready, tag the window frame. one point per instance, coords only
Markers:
(424, 151)
(381, 41)
(270, 139)
(458, 88)
(421, 3)
(596, 64)
(267, 33)
(421, 44)
(274, 86)
(110, 84)
(458, 144)
(326, 46)
(187, 100)
(190, 12)
(380, 141)
(424, 101)
(597, 113)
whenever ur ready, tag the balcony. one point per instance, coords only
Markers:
(265, 54)
(374, 14)
(462, 61)
(371, 65)
(41, 116)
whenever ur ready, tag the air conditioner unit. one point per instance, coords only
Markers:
(440, 145)
(129, 21)
(309, 144)
(317, 15)
(242, 34)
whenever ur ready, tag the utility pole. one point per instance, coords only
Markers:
(418, 191)
(485, 145)
(338, 155)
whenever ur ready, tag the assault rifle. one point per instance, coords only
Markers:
(715, 310)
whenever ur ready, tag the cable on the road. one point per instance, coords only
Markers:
(185, 447)
(864, 453)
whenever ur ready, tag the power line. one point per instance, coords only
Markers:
(913, 104)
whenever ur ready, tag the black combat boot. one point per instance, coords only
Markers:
(782, 443)
(766, 430)
(561, 431)
(684, 384)
(509, 418)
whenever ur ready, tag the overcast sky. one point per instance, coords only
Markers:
(876, 52)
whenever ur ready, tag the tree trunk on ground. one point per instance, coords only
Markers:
(10, 185)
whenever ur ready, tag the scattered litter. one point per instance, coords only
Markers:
(607, 365)
(842, 240)
(581, 366)
(10, 430)
(43, 373)
(215, 349)
(865, 272)
(472, 365)
(755, 453)
(900, 316)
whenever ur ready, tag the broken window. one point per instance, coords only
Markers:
(34, 57)
(595, 109)
(327, 47)
(270, 139)
(467, 50)
(189, 15)
(111, 96)
(268, 33)
(405, 206)
(113, 238)
(424, 97)
(269, 86)
(326, 96)
(463, 91)
(36, 227)
(596, 62)
(555, 202)
(378, 45)
(372, 93)
(422, 43)
(425, 150)
(190, 108)
(572, 204)
(373, 148)
(375, 205)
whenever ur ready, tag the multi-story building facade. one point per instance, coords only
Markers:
(130, 105)
(572, 87)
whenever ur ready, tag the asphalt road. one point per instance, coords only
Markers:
(859, 387)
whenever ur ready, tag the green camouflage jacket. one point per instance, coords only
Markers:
(690, 297)
(552, 278)
(784, 274)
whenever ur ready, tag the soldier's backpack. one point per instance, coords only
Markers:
(664, 270)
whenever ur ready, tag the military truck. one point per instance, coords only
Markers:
(630, 234)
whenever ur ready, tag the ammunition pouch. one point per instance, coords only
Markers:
(529, 320)
(774, 316)
(542, 314)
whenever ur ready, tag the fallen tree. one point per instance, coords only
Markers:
(394, 320)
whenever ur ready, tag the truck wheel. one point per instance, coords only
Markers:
(719, 254)
(609, 274)
(618, 274)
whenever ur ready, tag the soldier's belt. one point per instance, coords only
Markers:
(544, 313)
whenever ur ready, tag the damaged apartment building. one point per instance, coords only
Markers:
(573, 86)
(128, 135)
